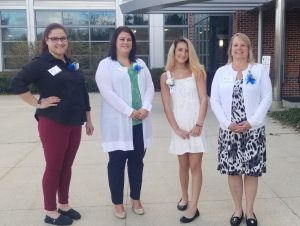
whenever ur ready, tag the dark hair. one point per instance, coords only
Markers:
(113, 43)
(48, 29)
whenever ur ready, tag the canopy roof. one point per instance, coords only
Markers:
(190, 6)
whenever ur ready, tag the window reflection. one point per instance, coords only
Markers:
(176, 19)
(14, 34)
(99, 51)
(173, 33)
(75, 18)
(100, 48)
(15, 54)
(39, 33)
(78, 34)
(139, 24)
(142, 48)
(13, 18)
(43, 18)
(136, 19)
(13, 29)
(87, 30)
(102, 18)
(167, 46)
(79, 48)
(13, 62)
(101, 34)
(141, 33)
(14, 48)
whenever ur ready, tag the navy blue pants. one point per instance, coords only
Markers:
(135, 165)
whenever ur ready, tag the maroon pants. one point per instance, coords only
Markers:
(60, 143)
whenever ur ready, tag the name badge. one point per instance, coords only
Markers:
(54, 70)
(227, 79)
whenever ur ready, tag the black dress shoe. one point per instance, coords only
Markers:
(182, 207)
(251, 221)
(61, 220)
(188, 220)
(235, 220)
(71, 213)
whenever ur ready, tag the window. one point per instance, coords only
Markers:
(13, 38)
(75, 18)
(176, 19)
(139, 23)
(175, 26)
(89, 32)
(103, 18)
(202, 39)
(136, 19)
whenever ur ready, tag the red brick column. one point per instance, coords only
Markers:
(292, 54)
(191, 29)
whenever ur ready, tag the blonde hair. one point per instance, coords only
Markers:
(245, 39)
(192, 62)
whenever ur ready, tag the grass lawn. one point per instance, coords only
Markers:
(289, 117)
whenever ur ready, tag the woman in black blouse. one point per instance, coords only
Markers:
(61, 110)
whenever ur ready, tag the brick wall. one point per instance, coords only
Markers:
(292, 54)
(191, 29)
(247, 22)
(268, 38)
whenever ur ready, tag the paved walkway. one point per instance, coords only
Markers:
(22, 164)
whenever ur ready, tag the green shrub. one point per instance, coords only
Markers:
(5, 78)
(91, 85)
(290, 117)
(4, 85)
(90, 82)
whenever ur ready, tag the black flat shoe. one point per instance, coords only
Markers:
(235, 220)
(71, 213)
(61, 220)
(182, 207)
(251, 221)
(188, 220)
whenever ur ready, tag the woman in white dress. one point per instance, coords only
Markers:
(184, 98)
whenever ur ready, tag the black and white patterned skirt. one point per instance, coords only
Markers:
(242, 153)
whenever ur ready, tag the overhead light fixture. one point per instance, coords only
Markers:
(221, 43)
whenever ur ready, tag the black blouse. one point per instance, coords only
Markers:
(52, 77)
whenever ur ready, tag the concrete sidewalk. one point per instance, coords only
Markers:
(22, 165)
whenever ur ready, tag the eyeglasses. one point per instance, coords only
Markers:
(56, 39)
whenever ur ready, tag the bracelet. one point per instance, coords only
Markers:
(38, 104)
(198, 125)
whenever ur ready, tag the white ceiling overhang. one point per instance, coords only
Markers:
(190, 6)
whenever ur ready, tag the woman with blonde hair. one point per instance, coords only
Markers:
(241, 95)
(184, 98)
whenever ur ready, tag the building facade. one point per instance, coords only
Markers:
(247, 22)
(90, 25)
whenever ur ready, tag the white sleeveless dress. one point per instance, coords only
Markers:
(186, 106)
